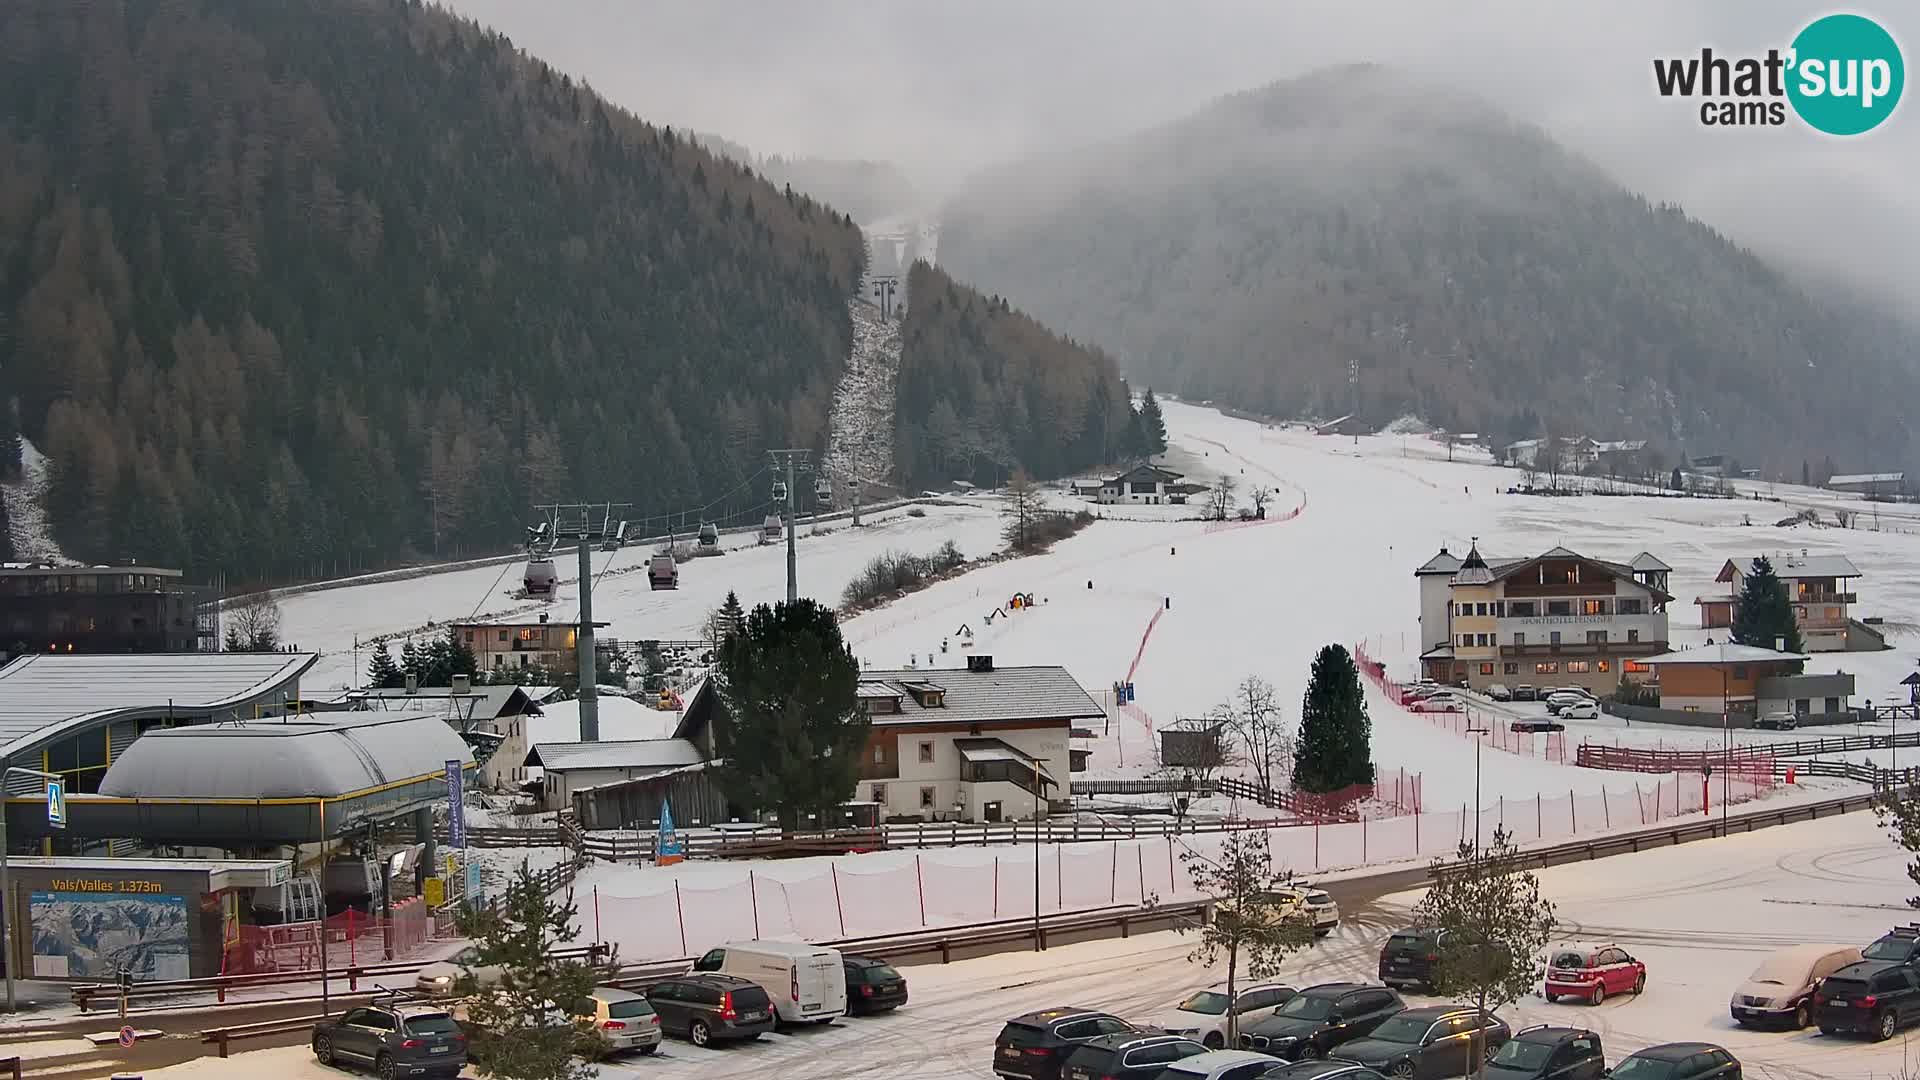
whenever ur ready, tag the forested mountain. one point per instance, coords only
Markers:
(296, 287)
(870, 191)
(984, 389)
(1257, 251)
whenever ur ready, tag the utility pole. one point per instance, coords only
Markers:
(587, 524)
(1476, 732)
(795, 462)
(1353, 382)
(883, 288)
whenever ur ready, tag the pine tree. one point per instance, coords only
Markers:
(732, 616)
(1763, 615)
(1335, 745)
(233, 642)
(410, 662)
(794, 732)
(518, 1032)
(382, 672)
(1153, 425)
(1133, 441)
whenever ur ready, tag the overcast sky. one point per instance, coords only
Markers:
(946, 87)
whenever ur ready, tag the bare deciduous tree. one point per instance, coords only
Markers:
(1261, 497)
(1022, 505)
(1253, 927)
(1221, 499)
(253, 624)
(1256, 724)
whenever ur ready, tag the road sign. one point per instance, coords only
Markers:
(436, 892)
(473, 880)
(57, 803)
(456, 813)
(127, 1037)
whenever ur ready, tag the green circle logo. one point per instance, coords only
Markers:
(1847, 74)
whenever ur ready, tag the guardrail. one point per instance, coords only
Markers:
(1603, 756)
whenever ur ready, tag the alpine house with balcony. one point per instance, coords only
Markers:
(1556, 619)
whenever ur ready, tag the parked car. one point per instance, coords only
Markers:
(1433, 1041)
(1324, 910)
(1592, 972)
(1409, 956)
(1219, 1065)
(1779, 719)
(1316, 1020)
(873, 986)
(1441, 702)
(1545, 1052)
(1525, 692)
(1203, 1015)
(1128, 1055)
(1871, 996)
(395, 1040)
(1528, 725)
(1577, 691)
(1901, 945)
(807, 983)
(440, 978)
(1580, 710)
(1499, 692)
(1781, 989)
(1319, 1070)
(712, 1008)
(623, 1018)
(1036, 1045)
(1678, 1061)
(1560, 699)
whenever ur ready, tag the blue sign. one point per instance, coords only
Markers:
(667, 847)
(473, 880)
(456, 810)
(1126, 693)
(57, 803)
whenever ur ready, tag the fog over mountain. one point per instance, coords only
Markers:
(944, 90)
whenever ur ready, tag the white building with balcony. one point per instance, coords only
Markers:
(1556, 619)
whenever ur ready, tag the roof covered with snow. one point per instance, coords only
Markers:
(626, 754)
(1645, 562)
(45, 696)
(480, 703)
(1796, 566)
(1867, 478)
(1002, 693)
(1723, 653)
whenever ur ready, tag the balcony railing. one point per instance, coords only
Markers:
(1583, 648)
(1826, 598)
(1558, 588)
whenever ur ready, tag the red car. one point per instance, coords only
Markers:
(1592, 972)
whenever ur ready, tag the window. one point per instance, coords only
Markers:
(1479, 609)
(1603, 666)
(1519, 638)
(1593, 607)
(1739, 671)
(1801, 706)
(1800, 612)
(1486, 669)
(1480, 640)
(1690, 708)
(1466, 639)
(1546, 667)
(1513, 669)
(1522, 609)
(1596, 637)
(926, 753)
(1559, 607)
(1577, 667)
(879, 754)
(1832, 704)
(1630, 605)
(926, 798)
(1633, 635)
(1833, 613)
(1636, 667)
(1500, 609)
(1553, 638)
(880, 794)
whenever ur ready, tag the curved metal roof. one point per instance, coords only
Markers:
(306, 757)
(44, 697)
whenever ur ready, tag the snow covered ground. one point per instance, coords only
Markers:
(27, 509)
(1838, 879)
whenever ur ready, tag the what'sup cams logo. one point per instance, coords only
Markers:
(1842, 76)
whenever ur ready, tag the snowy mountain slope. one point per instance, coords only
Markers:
(861, 421)
(27, 510)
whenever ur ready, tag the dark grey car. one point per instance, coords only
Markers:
(1317, 1020)
(711, 1008)
(395, 1041)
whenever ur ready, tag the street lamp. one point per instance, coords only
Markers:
(1471, 730)
(6, 878)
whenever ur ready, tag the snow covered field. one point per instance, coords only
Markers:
(1701, 917)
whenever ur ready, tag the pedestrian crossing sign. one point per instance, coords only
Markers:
(57, 803)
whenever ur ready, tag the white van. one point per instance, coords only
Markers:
(808, 983)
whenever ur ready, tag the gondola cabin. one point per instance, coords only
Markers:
(823, 491)
(541, 578)
(779, 491)
(770, 529)
(663, 573)
(709, 535)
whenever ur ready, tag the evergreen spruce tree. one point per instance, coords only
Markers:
(233, 642)
(732, 616)
(1153, 426)
(382, 672)
(519, 1033)
(793, 731)
(410, 662)
(1764, 615)
(1335, 744)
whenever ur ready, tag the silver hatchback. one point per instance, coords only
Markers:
(623, 1018)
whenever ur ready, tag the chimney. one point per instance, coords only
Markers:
(978, 662)
(413, 683)
(462, 684)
